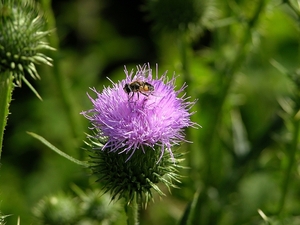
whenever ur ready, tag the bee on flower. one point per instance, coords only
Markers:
(139, 136)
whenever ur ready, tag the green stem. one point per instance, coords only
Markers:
(6, 87)
(291, 161)
(59, 79)
(131, 210)
(227, 77)
(183, 48)
(292, 148)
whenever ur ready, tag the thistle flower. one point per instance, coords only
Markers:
(137, 121)
(21, 39)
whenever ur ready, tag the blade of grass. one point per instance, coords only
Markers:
(61, 153)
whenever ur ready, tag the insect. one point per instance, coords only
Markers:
(138, 87)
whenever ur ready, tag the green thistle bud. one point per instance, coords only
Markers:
(61, 209)
(87, 207)
(21, 39)
(175, 15)
(96, 207)
(139, 176)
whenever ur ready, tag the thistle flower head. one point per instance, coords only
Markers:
(137, 121)
(140, 118)
(21, 39)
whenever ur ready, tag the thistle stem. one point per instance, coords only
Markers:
(131, 210)
(227, 75)
(60, 80)
(291, 161)
(183, 48)
(6, 87)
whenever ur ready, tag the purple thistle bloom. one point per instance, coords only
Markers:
(132, 119)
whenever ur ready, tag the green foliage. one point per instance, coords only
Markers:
(173, 16)
(243, 67)
(87, 207)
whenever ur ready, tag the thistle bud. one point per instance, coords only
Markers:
(21, 39)
(54, 210)
(87, 207)
(96, 207)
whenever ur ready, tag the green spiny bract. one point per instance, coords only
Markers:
(139, 176)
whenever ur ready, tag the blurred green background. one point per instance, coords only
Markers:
(237, 59)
